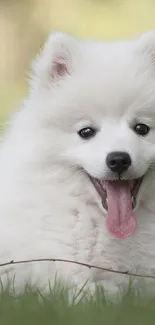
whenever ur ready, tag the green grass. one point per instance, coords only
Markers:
(33, 308)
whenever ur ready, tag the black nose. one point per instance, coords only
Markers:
(118, 161)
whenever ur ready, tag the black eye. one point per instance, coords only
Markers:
(87, 133)
(141, 129)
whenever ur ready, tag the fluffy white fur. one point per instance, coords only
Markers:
(48, 206)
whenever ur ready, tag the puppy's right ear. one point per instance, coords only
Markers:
(146, 43)
(55, 61)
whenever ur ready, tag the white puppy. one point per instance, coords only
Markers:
(77, 164)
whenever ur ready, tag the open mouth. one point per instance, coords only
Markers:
(119, 200)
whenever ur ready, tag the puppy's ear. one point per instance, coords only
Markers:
(55, 61)
(147, 44)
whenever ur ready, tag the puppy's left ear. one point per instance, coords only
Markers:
(56, 60)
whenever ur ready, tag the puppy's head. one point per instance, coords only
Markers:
(98, 100)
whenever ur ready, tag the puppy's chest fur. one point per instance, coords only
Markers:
(75, 229)
(135, 254)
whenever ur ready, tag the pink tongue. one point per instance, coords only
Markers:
(121, 221)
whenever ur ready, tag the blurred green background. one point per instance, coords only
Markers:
(25, 24)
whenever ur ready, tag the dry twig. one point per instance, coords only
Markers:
(78, 263)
